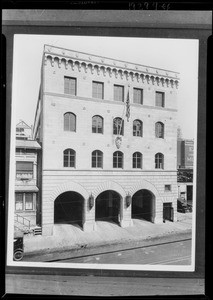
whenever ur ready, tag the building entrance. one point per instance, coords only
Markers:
(108, 207)
(143, 205)
(68, 209)
(168, 212)
(189, 193)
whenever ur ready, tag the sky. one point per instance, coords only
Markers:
(179, 55)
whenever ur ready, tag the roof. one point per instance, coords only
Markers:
(50, 50)
(22, 124)
(26, 188)
(31, 144)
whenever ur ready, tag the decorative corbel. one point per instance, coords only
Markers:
(79, 67)
(92, 69)
(66, 64)
(52, 62)
(59, 62)
(157, 79)
(142, 77)
(98, 70)
(133, 76)
(162, 81)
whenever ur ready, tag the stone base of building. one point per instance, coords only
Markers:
(47, 230)
(126, 223)
(89, 226)
(158, 220)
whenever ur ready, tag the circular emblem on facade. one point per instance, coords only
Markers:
(76, 54)
(136, 67)
(102, 60)
(147, 70)
(118, 142)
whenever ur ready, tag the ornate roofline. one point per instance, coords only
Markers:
(108, 65)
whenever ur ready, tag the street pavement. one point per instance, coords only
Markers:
(173, 253)
(70, 241)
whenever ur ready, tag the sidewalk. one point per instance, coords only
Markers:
(71, 241)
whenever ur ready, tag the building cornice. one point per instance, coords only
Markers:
(109, 67)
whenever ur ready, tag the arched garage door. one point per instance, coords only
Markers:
(143, 205)
(107, 207)
(68, 209)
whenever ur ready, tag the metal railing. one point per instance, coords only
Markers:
(23, 220)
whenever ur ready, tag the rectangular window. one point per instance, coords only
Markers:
(28, 201)
(137, 96)
(168, 187)
(70, 85)
(97, 90)
(159, 99)
(24, 170)
(119, 93)
(19, 202)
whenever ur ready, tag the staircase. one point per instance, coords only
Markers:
(23, 224)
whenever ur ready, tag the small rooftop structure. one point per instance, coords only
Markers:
(23, 131)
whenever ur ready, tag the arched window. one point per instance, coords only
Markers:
(97, 159)
(159, 161)
(159, 130)
(137, 160)
(118, 126)
(97, 124)
(69, 158)
(137, 128)
(69, 122)
(118, 159)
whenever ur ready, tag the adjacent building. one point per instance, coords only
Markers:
(185, 161)
(109, 146)
(26, 189)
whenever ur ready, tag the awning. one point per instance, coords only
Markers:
(30, 144)
(25, 188)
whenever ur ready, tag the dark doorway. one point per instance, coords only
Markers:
(68, 209)
(143, 205)
(168, 212)
(108, 207)
(189, 194)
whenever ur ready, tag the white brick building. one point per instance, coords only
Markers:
(86, 176)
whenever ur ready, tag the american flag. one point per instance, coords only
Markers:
(127, 107)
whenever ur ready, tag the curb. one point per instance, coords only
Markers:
(60, 254)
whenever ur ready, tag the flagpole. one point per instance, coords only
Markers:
(127, 106)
